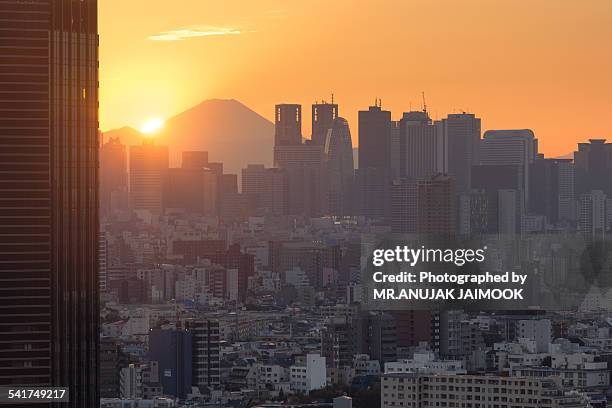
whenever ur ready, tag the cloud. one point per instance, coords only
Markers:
(195, 32)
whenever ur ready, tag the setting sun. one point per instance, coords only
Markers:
(151, 126)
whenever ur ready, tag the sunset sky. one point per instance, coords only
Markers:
(539, 64)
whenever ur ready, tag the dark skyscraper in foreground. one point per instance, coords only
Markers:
(49, 195)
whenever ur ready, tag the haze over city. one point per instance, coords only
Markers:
(542, 64)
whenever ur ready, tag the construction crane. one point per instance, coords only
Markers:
(424, 102)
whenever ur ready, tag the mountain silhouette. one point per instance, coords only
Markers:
(231, 133)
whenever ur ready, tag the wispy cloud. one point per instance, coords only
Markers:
(195, 32)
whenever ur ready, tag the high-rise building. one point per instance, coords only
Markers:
(423, 149)
(194, 159)
(206, 352)
(113, 176)
(373, 178)
(510, 147)
(374, 138)
(593, 164)
(172, 349)
(323, 116)
(49, 196)
(435, 205)
(491, 179)
(404, 205)
(461, 131)
(592, 213)
(553, 179)
(190, 189)
(304, 165)
(339, 167)
(288, 125)
(109, 367)
(265, 189)
(472, 213)
(148, 170)
(102, 260)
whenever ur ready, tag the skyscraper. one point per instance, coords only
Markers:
(49, 195)
(593, 162)
(493, 179)
(436, 206)
(288, 125)
(422, 147)
(148, 170)
(510, 147)
(339, 167)
(323, 116)
(374, 138)
(462, 134)
(113, 176)
(553, 179)
(373, 178)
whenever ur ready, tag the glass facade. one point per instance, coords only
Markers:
(48, 195)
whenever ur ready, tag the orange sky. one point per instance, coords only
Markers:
(539, 64)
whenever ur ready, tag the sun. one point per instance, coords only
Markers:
(151, 126)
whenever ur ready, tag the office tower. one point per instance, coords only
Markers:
(305, 168)
(148, 170)
(312, 257)
(394, 147)
(507, 222)
(49, 196)
(276, 194)
(254, 180)
(339, 167)
(206, 349)
(172, 349)
(323, 116)
(102, 260)
(288, 125)
(374, 138)
(373, 193)
(234, 259)
(461, 131)
(472, 212)
(510, 147)
(265, 189)
(113, 176)
(190, 189)
(593, 166)
(553, 179)
(491, 179)
(422, 146)
(373, 178)
(592, 213)
(404, 206)
(435, 206)
(194, 159)
(109, 367)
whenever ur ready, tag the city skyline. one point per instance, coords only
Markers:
(515, 66)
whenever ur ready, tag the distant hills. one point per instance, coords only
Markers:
(231, 133)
